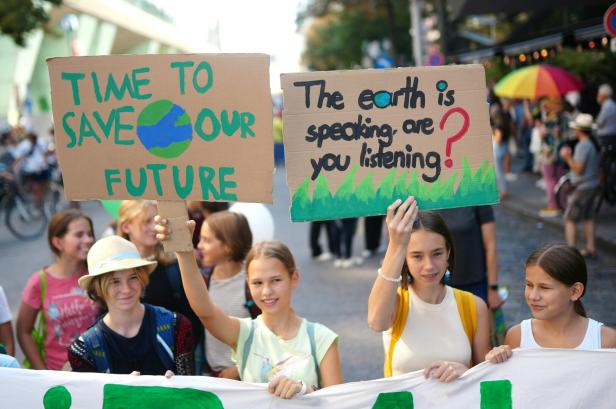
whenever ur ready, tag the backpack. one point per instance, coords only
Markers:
(466, 308)
(250, 305)
(313, 348)
(164, 344)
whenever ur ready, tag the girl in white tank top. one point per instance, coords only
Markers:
(556, 278)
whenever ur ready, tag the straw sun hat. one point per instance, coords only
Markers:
(111, 254)
(582, 122)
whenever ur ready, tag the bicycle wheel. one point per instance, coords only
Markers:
(561, 191)
(25, 220)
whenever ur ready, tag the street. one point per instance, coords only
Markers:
(338, 297)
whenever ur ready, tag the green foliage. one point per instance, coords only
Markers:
(474, 187)
(340, 30)
(19, 17)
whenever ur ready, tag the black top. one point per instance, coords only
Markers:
(464, 223)
(160, 292)
(136, 353)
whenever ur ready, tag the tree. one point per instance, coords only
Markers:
(19, 17)
(339, 30)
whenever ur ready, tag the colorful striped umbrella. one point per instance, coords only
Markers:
(537, 81)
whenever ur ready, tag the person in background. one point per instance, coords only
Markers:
(556, 278)
(55, 291)
(164, 287)
(606, 120)
(373, 231)
(584, 165)
(332, 231)
(199, 211)
(132, 337)
(347, 227)
(31, 160)
(7, 341)
(225, 241)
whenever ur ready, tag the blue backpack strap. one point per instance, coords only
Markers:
(93, 342)
(313, 349)
(247, 346)
(165, 336)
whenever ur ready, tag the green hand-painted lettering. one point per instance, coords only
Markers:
(207, 113)
(158, 397)
(118, 91)
(394, 400)
(74, 78)
(183, 191)
(206, 174)
(181, 76)
(229, 126)
(496, 394)
(121, 126)
(67, 128)
(111, 177)
(57, 397)
(156, 168)
(131, 188)
(248, 119)
(96, 87)
(139, 82)
(202, 89)
(225, 184)
(105, 126)
(86, 130)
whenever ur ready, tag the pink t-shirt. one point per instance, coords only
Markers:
(68, 313)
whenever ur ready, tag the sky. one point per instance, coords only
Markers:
(245, 26)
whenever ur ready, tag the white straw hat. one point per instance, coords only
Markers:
(582, 122)
(110, 254)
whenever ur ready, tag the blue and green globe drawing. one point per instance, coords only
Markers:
(164, 129)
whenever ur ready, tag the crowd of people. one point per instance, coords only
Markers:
(557, 140)
(122, 305)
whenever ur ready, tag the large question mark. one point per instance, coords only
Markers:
(457, 136)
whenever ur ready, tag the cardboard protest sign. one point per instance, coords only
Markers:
(165, 127)
(355, 141)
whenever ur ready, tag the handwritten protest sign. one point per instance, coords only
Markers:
(165, 127)
(537, 378)
(355, 141)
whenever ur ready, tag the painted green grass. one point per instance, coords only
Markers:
(476, 187)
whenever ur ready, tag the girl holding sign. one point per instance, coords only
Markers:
(426, 324)
(293, 355)
(555, 283)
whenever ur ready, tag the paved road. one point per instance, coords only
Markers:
(338, 298)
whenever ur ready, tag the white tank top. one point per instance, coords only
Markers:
(433, 332)
(592, 338)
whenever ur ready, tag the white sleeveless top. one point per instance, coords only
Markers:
(433, 332)
(592, 338)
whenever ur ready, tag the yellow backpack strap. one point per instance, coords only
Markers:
(396, 332)
(467, 308)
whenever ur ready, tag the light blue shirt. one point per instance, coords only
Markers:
(7, 361)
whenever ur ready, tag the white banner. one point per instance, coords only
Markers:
(531, 379)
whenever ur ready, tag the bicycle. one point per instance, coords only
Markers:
(607, 182)
(25, 219)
